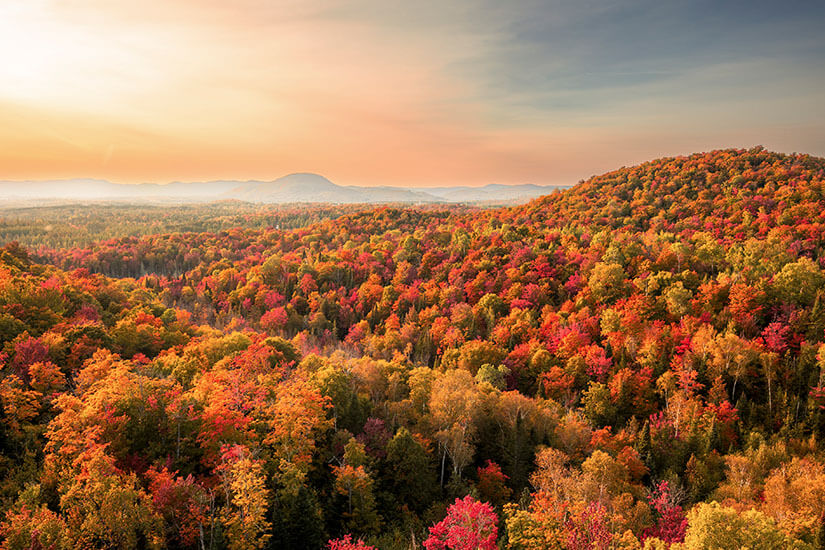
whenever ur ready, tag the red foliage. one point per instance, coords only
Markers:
(588, 529)
(469, 525)
(346, 543)
(492, 484)
(672, 523)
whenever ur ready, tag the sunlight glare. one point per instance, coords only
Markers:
(34, 51)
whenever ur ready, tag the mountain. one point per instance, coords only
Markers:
(60, 189)
(304, 187)
(293, 188)
(204, 190)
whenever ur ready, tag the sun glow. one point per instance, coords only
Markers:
(60, 58)
(38, 53)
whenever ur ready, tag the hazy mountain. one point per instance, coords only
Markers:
(302, 187)
(305, 187)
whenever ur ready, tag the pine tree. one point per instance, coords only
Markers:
(644, 446)
(714, 440)
(296, 521)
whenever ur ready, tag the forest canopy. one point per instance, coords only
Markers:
(636, 362)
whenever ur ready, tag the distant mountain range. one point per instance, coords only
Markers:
(302, 187)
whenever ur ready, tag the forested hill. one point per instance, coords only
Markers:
(724, 197)
(730, 193)
(639, 360)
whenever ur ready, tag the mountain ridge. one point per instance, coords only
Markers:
(299, 187)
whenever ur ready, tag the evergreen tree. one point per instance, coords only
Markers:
(644, 445)
(296, 521)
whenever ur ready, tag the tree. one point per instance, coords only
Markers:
(715, 526)
(603, 476)
(540, 526)
(644, 445)
(353, 481)
(490, 307)
(453, 403)
(605, 281)
(677, 299)
(671, 523)
(521, 422)
(296, 520)
(469, 525)
(587, 529)
(245, 510)
(104, 508)
(598, 405)
(794, 496)
(296, 417)
(184, 506)
(799, 281)
(408, 472)
(492, 484)
(29, 525)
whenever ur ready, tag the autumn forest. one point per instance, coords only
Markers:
(637, 362)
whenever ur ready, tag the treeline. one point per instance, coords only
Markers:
(76, 225)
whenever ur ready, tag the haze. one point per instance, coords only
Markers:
(391, 93)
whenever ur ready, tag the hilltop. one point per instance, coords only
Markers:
(702, 191)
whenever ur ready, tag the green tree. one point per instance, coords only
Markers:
(606, 281)
(598, 404)
(799, 281)
(408, 473)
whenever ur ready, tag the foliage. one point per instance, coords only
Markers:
(469, 525)
(597, 367)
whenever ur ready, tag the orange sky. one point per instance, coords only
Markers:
(364, 93)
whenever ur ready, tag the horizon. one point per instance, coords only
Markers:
(398, 186)
(377, 93)
(248, 181)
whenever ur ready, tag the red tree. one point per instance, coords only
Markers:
(469, 525)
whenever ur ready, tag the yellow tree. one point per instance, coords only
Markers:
(795, 496)
(721, 528)
(540, 526)
(296, 416)
(453, 403)
(105, 508)
(245, 510)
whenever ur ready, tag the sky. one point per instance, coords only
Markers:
(407, 93)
